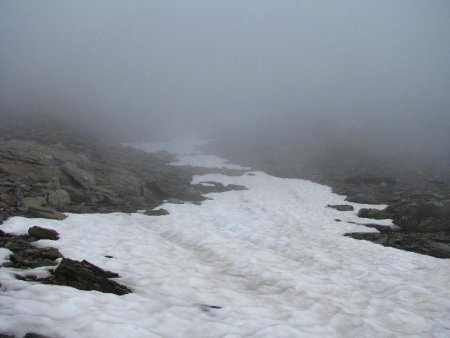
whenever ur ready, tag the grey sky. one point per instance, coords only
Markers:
(176, 65)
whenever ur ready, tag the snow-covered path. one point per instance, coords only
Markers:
(271, 257)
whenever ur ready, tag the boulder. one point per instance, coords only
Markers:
(34, 202)
(83, 178)
(45, 213)
(157, 212)
(77, 195)
(43, 233)
(58, 198)
(341, 207)
(374, 213)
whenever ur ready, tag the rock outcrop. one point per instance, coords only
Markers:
(86, 276)
(44, 180)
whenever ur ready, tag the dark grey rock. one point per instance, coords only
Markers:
(342, 207)
(86, 276)
(433, 244)
(157, 212)
(26, 255)
(34, 335)
(374, 213)
(43, 233)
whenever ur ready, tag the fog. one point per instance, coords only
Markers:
(371, 71)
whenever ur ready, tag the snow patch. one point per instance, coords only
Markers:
(269, 261)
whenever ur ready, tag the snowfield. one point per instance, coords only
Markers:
(269, 261)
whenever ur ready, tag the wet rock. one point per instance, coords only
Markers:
(157, 212)
(341, 207)
(86, 276)
(45, 213)
(374, 213)
(43, 233)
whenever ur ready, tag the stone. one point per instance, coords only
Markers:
(374, 213)
(80, 176)
(58, 198)
(34, 335)
(341, 207)
(35, 202)
(45, 213)
(435, 244)
(86, 276)
(26, 255)
(43, 233)
(211, 186)
(77, 195)
(427, 216)
(157, 212)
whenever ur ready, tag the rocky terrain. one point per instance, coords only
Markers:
(47, 170)
(418, 197)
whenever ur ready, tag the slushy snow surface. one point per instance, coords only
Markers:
(269, 261)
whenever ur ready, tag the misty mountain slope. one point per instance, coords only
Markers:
(269, 261)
